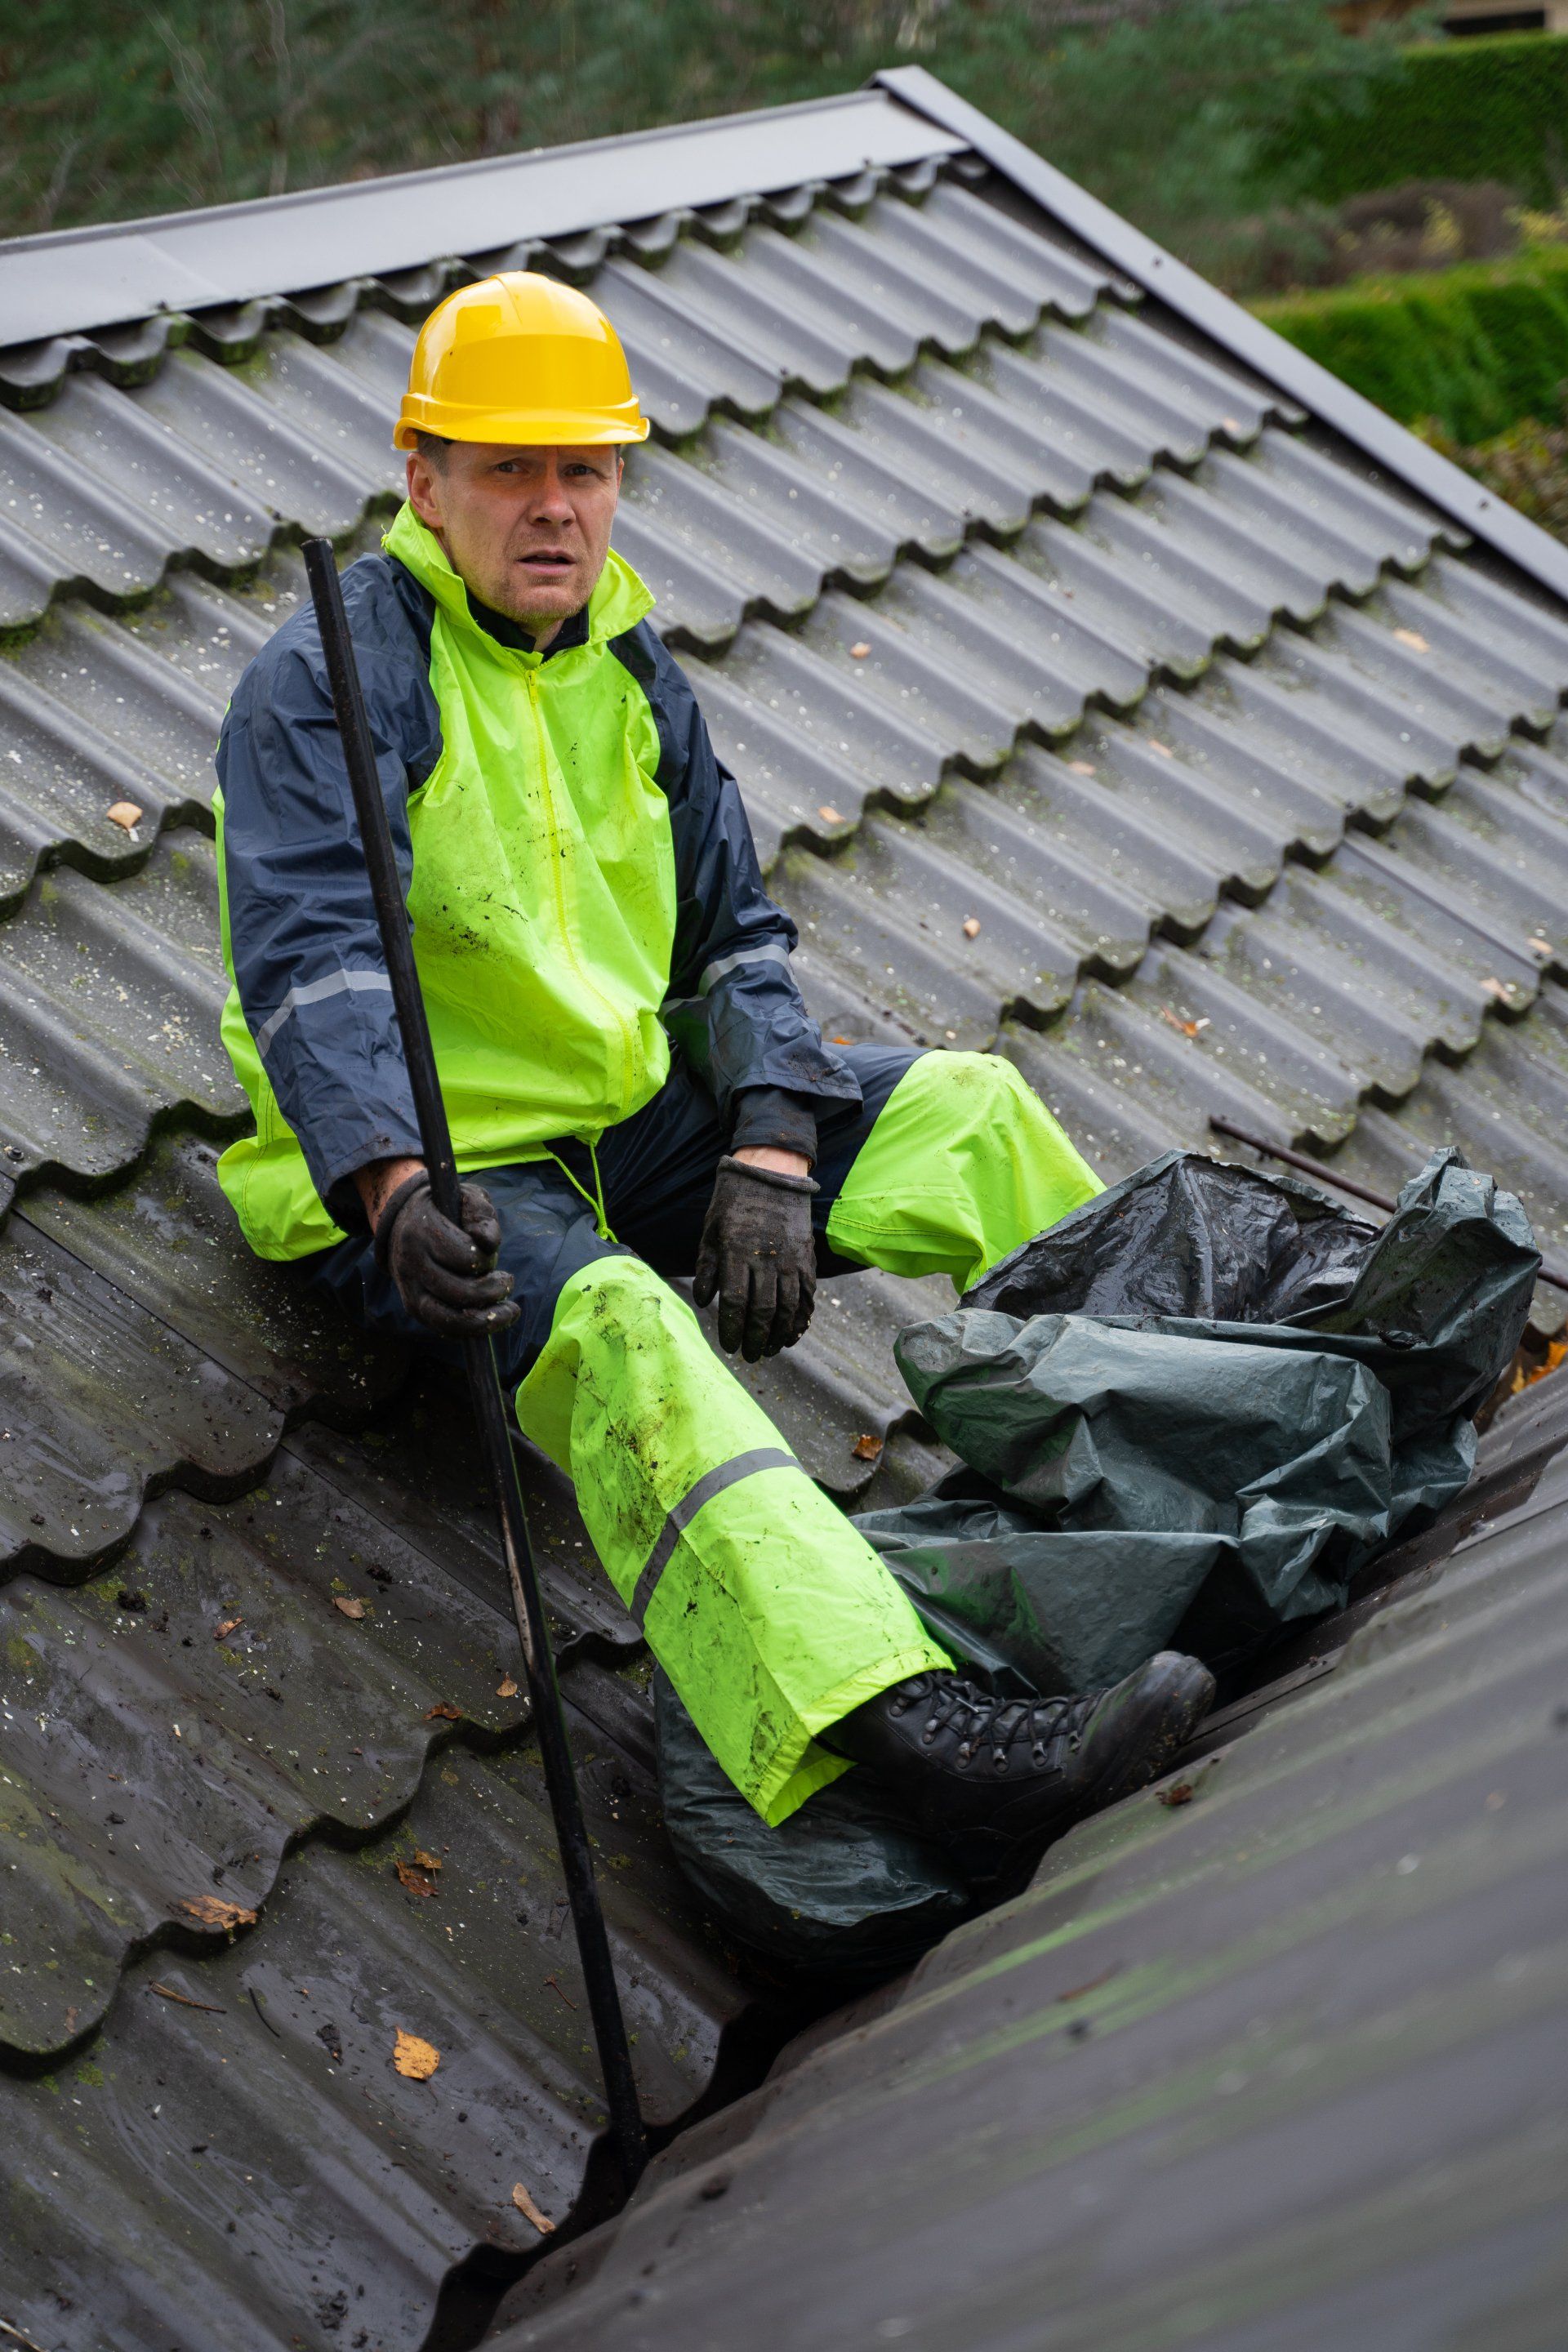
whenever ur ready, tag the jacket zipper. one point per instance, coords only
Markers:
(556, 866)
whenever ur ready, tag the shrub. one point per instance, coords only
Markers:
(1477, 348)
(1528, 466)
(1488, 108)
(1167, 111)
(1424, 224)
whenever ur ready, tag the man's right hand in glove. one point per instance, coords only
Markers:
(445, 1274)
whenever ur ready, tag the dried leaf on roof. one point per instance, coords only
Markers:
(1188, 1028)
(213, 1911)
(1526, 1375)
(525, 2204)
(416, 2059)
(354, 1609)
(418, 1876)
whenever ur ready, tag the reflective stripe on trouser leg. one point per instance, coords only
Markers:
(713, 1482)
(963, 1163)
(771, 1615)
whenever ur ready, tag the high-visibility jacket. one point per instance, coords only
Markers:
(579, 869)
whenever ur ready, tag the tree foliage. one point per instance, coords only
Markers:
(1175, 111)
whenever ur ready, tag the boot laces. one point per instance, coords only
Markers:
(983, 1721)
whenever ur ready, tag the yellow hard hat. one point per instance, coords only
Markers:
(520, 358)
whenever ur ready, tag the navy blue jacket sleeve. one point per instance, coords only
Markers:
(734, 1006)
(767, 1116)
(301, 924)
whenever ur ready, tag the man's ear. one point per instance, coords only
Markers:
(423, 489)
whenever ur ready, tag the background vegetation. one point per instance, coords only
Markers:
(1178, 112)
(1255, 138)
(1472, 349)
(1493, 108)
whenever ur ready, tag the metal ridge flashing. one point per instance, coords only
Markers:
(1246, 339)
(72, 280)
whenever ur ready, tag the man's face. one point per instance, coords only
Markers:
(527, 530)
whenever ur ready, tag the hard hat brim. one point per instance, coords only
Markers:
(523, 428)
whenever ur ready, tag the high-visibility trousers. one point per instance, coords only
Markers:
(771, 1615)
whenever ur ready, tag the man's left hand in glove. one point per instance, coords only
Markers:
(758, 1256)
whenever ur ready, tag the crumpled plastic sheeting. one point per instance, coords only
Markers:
(842, 1885)
(1192, 1410)
(1186, 1416)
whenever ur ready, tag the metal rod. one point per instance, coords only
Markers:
(483, 1370)
(1326, 1175)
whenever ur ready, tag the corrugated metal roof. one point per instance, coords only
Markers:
(1092, 564)
(233, 2159)
(1012, 601)
(1496, 522)
(1273, 2054)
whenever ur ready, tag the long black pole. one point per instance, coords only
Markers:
(484, 1373)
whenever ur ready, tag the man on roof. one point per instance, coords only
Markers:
(635, 1089)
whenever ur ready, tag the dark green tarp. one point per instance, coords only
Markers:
(1185, 1416)
(1190, 1411)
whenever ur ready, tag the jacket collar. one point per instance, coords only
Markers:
(574, 631)
(618, 602)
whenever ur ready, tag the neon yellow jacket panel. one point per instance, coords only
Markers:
(545, 804)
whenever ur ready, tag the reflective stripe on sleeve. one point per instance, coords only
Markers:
(774, 952)
(335, 984)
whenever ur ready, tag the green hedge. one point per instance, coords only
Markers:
(1476, 347)
(1494, 107)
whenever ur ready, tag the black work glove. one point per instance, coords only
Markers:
(446, 1274)
(758, 1257)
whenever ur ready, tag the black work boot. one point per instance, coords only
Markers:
(989, 1778)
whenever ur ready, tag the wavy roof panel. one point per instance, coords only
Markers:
(1093, 702)
(1272, 2053)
